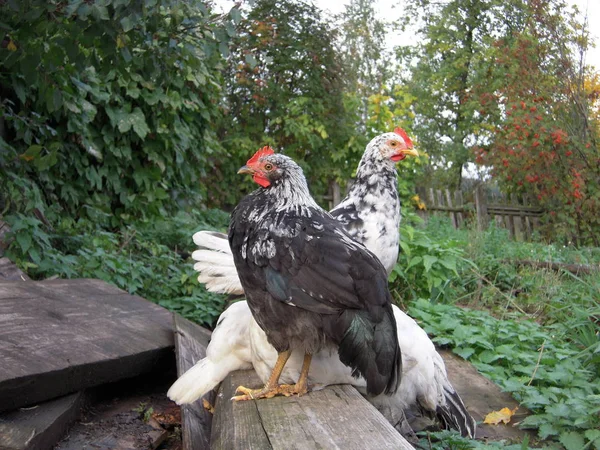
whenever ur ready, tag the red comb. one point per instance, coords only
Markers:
(399, 131)
(266, 150)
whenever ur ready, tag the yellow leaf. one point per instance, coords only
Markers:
(504, 415)
(206, 404)
(11, 46)
(120, 42)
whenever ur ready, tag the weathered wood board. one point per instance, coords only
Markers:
(191, 341)
(481, 396)
(337, 417)
(60, 336)
(39, 427)
(9, 271)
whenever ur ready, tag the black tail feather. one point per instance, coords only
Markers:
(371, 349)
(454, 414)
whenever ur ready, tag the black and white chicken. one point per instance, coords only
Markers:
(370, 213)
(308, 284)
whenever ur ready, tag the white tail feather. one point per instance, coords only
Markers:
(214, 270)
(209, 256)
(204, 376)
(212, 240)
(222, 285)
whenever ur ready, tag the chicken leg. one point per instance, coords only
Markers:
(273, 388)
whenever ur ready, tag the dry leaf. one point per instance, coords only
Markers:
(504, 415)
(210, 408)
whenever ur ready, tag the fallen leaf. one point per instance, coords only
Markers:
(210, 408)
(504, 415)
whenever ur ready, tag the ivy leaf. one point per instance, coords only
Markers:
(572, 440)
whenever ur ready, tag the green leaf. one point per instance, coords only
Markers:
(127, 23)
(547, 430)
(414, 261)
(250, 60)
(24, 241)
(428, 261)
(572, 440)
(593, 435)
(464, 352)
(32, 152)
(100, 12)
(139, 123)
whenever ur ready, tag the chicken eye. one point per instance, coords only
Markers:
(268, 167)
(394, 143)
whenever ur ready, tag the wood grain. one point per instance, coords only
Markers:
(60, 336)
(191, 341)
(337, 417)
(40, 427)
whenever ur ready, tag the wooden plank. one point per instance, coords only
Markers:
(39, 427)
(61, 336)
(337, 417)
(453, 215)
(9, 271)
(516, 220)
(191, 341)
(458, 202)
(481, 208)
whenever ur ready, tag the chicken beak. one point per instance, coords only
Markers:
(410, 151)
(246, 169)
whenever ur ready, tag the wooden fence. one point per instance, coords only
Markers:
(519, 216)
(479, 207)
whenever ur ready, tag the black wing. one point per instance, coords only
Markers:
(313, 264)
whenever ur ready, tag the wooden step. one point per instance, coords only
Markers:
(61, 336)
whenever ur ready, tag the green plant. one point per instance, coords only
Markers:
(540, 366)
(426, 266)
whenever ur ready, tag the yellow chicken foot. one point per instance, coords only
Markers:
(272, 388)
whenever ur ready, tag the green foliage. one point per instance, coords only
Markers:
(538, 365)
(272, 98)
(150, 259)
(106, 106)
(426, 266)
(451, 440)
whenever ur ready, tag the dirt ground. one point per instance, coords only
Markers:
(129, 415)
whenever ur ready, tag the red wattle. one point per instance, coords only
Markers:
(398, 157)
(258, 178)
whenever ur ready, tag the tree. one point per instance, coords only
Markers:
(368, 66)
(105, 105)
(444, 66)
(285, 87)
(543, 142)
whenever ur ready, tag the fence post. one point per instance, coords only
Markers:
(453, 214)
(481, 207)
(336, 197)
(458, 200)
